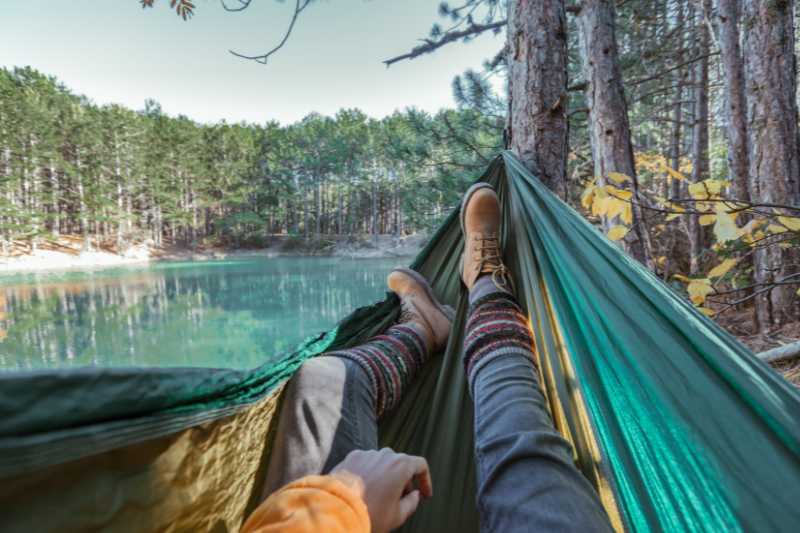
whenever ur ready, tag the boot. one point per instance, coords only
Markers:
(420, 307)
(480, 223)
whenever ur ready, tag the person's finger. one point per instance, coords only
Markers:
(407, 505)
(418, 468)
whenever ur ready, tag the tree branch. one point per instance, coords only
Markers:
(299, 6)
(781, 353)
(243, 4)
(429, 45)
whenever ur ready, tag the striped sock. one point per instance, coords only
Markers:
(496, 326)
(391, 361)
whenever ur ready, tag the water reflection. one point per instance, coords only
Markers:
(222, 313)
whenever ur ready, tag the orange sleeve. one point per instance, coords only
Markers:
(311, 504)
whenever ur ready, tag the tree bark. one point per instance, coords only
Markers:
(700, 164)
(774, 156)
(735, 104)
(87, 241)
(609, 129)
(677, 112)
(537, 86)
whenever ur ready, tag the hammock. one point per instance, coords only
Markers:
(677, 425)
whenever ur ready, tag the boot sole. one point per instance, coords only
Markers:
(446, 310)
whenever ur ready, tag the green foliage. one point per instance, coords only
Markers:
(69, 166)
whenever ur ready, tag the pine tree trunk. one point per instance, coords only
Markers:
(374, 203)
(609, 129)
(774, 157)
(340, 217)
(87, 241)
(700, 165)
(318, 208)
(305, 214)
(537, 84)
(6, 231)
(35, 207)
(56, 226)
(677, 112)
(735, 103)
(120, 198)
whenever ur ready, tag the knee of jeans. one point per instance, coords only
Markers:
(319, 369)
(320, 374)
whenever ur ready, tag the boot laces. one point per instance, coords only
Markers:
(408, 313)
(488, 260)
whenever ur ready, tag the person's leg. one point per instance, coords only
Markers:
(328, 411)
(334, 401)
(527, 480)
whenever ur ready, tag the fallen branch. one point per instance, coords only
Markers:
(781, 353)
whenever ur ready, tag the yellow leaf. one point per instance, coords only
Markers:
(681, 277)
(615, 207)
(706, 311)
(757, 236)
(722, 268)
(774, 228)
(725, 229)
(715, 186)
(627, 214)
(751, 226)
(793, 223)
(674, 173)
(617, 232)
(798, 292)
(698, 289)
(619, 193)
(672, 216)
(587, 197)
(601, 203)
(697, 190)
(707, 220)
(618, 177)
(705, 189)
(661, 260)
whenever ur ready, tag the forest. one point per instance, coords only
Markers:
(117, 176)
(670, 124)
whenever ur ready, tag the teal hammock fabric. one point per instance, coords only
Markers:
(678, 425)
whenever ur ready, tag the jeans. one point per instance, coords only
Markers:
(527, 480)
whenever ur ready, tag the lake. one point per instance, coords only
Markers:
(228, 313)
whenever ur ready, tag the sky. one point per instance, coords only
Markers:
(113, 51)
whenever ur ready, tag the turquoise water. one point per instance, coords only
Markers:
(229, 313)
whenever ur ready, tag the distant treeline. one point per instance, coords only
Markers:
(122, 176)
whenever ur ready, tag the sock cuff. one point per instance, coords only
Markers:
(484, 286)
(494, 300)
(496, 326)
(390, 361)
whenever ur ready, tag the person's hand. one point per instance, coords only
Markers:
(391, 484)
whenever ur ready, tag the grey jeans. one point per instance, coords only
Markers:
(527, 480)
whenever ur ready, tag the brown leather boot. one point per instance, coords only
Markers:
(420, 306)
(480, 223)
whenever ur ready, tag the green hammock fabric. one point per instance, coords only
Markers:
(676, 423)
